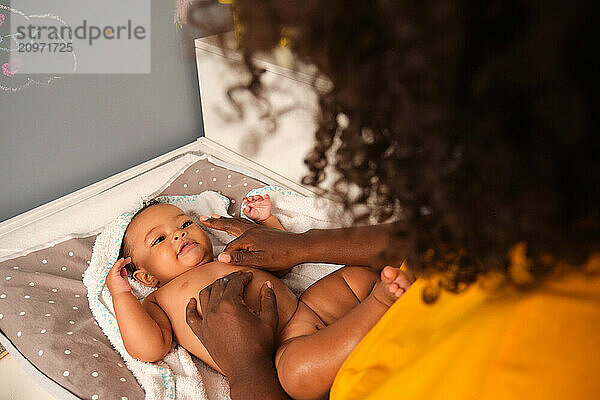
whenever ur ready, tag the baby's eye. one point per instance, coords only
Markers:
(186, 224)
(158, 240)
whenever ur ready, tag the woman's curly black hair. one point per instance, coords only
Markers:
(477, 117)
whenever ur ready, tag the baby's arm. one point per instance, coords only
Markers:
(145, 328)
(258, 209)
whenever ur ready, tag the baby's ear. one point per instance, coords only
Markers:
(145, 278)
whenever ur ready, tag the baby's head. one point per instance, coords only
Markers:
(163, 242)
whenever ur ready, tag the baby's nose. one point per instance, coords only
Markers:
(178, 235)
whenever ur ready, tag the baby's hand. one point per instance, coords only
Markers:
(258, 208)
(116, 280)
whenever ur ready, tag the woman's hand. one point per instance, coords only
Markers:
(116, 280)
(257, 245)
(235, 336)
(240, 340)
(275, 250)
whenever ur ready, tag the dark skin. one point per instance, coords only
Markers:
(228, 329)
(253, 374)
(274, 250)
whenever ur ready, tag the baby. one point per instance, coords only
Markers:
(162, 247)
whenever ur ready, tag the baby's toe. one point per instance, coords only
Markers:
(389, 274)
(385, 293)
(403, 280)
(395, 290)
(392, 287)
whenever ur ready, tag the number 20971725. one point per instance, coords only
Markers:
(45, 47)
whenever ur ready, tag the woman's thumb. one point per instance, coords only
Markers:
(268, 305)
(240, 257)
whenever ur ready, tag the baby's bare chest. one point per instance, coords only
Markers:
(174, 297)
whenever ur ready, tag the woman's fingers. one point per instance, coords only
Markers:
(203, 296)
(216, 292)
(233, 226)
(268, 305)
(241, 257)
(236, 284)
(192, 317)
(229, 286)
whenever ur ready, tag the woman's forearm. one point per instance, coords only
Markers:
(256, 382)
(350, 246)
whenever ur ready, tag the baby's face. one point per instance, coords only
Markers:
(165, 242)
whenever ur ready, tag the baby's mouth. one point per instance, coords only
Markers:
(186, 246)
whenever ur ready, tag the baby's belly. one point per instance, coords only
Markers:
(174, 297)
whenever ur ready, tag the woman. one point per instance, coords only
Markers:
(478, 120)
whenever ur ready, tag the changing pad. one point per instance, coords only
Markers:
(44, 311)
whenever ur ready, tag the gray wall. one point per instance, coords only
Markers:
(83, 128)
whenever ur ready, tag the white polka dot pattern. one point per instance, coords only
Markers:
(42, 300)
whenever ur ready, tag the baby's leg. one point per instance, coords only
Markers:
(333, 316)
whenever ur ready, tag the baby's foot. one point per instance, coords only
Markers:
(258, 208)
(393, 284)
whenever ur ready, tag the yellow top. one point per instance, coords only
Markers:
(543, 344)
